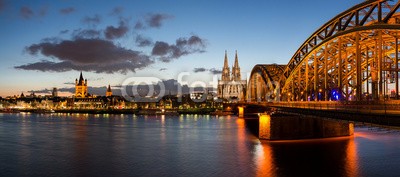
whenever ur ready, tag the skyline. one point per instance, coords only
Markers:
(147, 39)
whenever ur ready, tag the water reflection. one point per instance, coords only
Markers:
(351, 162)
(92, 145)
(81, 149)
(265, 160)
(315, 157)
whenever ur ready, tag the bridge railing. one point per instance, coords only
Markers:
(373, 107)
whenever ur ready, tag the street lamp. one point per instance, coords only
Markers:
(301, 96)
(319, 94)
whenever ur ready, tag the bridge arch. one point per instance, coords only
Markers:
(354, 56)
(264, 83)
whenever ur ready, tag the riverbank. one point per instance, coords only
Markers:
(204, 111)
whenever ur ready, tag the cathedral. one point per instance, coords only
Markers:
(81, 87)
(231, 86)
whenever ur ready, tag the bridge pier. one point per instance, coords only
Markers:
(291, 126)
(240, 111)
(264, 127)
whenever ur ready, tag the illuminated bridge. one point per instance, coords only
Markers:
(352, 57)
(348, 69)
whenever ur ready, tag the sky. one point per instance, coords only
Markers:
(47, 43)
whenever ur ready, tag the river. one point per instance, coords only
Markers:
(186, 145)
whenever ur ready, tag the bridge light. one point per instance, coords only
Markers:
(335, 94)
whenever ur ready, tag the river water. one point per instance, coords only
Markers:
(186, 145)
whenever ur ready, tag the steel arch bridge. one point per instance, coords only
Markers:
(354, 56)
(263, 83)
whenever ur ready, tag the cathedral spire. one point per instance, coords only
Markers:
(236, 69)
(226, 60)
(236, 65)
(225, 70)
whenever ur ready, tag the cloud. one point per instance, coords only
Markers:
(49, 66)
(182, 46)
(142, 41)
(112, 32)
(152, 21)
(155, 20)
(160, 48)
(91, 49)
(64, 31)
(97, 55)
(198, 70)
(95, 79)
(101, 91)
(26, 12)
(43, 11)
(215, 71)
(86, 33)
(96, 19)
(117, 10)
(67, 10)
(40, 92)
(212, 70)
(171, 86)
(45, 65)
(139, 25)
(51, 39)
(69, 83)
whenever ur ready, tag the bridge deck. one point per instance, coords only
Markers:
(373, 108)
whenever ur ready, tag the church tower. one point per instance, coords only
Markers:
(109, 91)
(236, 70)
(231, 87)
(81, 87)
(225, 70)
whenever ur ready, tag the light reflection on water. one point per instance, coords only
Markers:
(184, 145)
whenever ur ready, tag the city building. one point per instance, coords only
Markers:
(81, 87)
(231, 86)
(54, 93)
(109, 91)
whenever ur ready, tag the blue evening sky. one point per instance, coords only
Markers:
(179, 36)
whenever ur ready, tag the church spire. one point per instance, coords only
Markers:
(236, 69)
(236, 65)
(81, 87)
(226, 61)
(225, 69)
(108, 91)
(80, 78)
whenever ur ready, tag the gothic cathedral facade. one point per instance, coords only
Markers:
(231, 86)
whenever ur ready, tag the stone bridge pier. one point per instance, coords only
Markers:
(294, 126)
